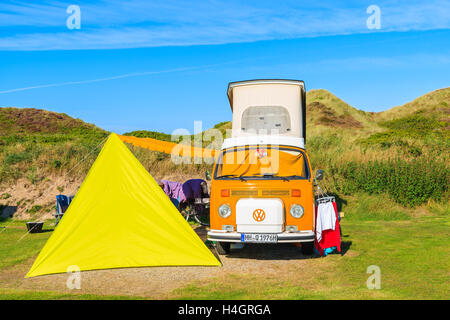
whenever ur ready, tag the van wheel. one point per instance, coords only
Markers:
(307, 248)
(223, 247)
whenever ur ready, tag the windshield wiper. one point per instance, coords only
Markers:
(228, 176)
(282, 177)
(232, 176)
(242, 178)
(270, 175)
(295, 176)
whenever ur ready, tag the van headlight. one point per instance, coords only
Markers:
(297, 211)
(224, 211)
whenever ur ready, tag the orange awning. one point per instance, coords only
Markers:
(170, 147)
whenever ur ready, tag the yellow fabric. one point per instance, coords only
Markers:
(120, 218)
(262, 161)
(168, 147)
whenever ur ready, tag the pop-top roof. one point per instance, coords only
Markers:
(232, 85)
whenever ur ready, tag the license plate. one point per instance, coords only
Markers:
(259, 237)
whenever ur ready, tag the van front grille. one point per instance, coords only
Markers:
(275, 193)
(244, 192)
(262, 193)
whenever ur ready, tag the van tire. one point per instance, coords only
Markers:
(307, 248)
(223, 247)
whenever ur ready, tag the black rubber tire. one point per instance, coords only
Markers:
(202, 217)
(307, 248)
(223, 247)
(204, 221)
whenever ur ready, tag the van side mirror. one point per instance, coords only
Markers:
(319, 175)
(204, 187)
(208, 175)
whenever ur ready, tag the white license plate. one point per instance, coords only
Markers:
(259, 237)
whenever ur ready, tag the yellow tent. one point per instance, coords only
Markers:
(120, 218)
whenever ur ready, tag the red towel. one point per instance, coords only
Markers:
(330, 238)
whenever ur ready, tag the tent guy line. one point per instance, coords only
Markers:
(146, 143)
(107, 224)
(53, 185)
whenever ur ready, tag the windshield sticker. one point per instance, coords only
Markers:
(261, 153)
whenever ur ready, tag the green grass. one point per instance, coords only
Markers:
(412, 255)
(16, 246)
(12, 294)
(255, 289)
(363, 207)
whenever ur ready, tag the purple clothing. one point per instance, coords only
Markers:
(193, 188)
(182, 192)
(174, 190)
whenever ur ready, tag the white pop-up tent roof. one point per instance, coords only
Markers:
(268, 107)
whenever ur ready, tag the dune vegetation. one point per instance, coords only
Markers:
(401, 154)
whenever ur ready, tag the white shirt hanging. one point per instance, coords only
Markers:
(326, 218)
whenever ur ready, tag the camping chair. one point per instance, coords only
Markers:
(62, 203)
(197, 204)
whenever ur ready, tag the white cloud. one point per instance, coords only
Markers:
(139, 23)
(121, 76)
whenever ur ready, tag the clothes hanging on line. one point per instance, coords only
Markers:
(326, 218)
(328, 233)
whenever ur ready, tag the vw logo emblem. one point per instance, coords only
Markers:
(259, 215)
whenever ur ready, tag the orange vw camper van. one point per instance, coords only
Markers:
(262, 185)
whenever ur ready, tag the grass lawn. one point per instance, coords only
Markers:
(413, 256)
(10, 294)
(16, 245)
(411, 253)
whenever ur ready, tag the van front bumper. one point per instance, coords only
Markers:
(283, 237)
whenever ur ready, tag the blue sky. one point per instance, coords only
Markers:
(160, 65)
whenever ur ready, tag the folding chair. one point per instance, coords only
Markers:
(62, 203)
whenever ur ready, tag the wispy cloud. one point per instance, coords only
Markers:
(139, 23)
(117, 77)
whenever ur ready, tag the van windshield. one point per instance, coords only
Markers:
(261, 163)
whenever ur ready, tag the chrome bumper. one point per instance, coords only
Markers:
(283, 237)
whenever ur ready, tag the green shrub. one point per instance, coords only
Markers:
(426, 131)
(150, 134)
(34, 209)
(32, 175)
(408, 183)
(13, 158)
(324, 142)
(414, 151)
(414, 124)
(56, 163)
(220, 124)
